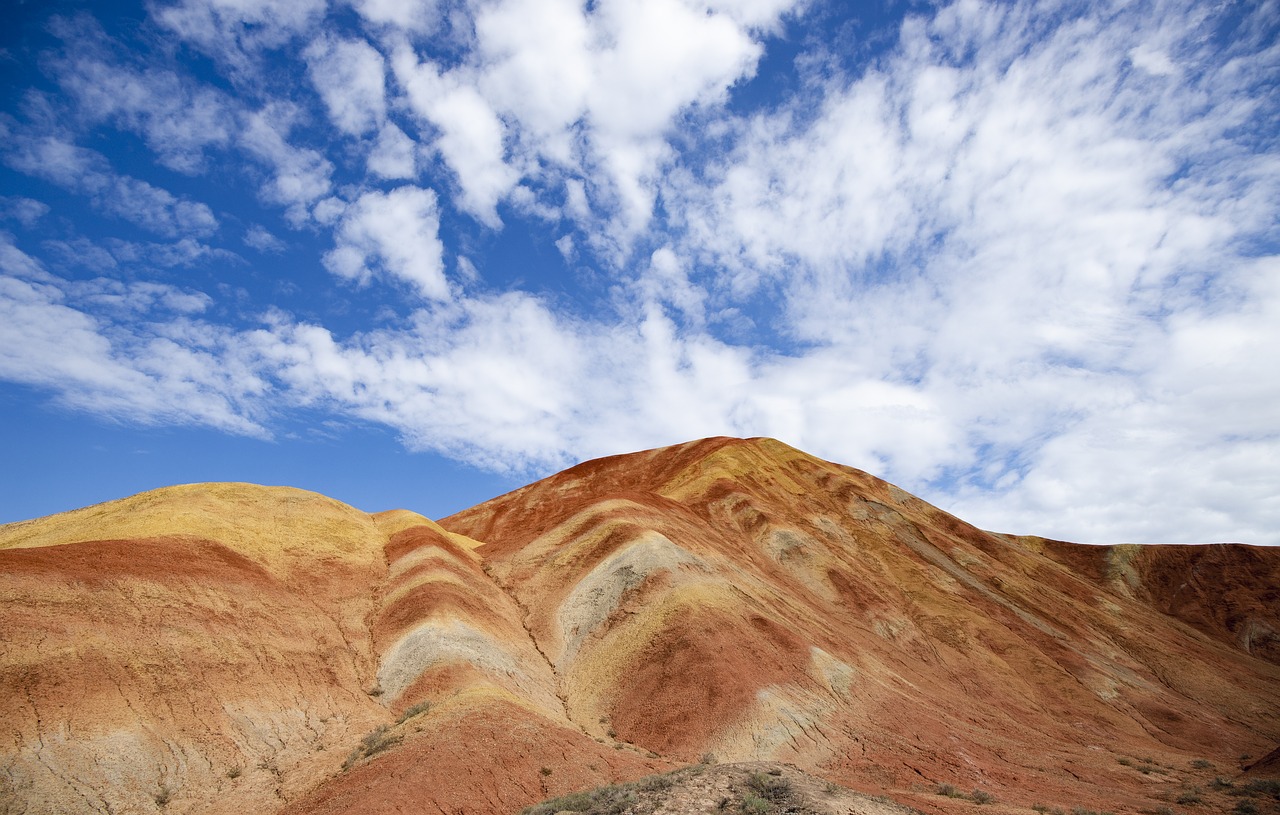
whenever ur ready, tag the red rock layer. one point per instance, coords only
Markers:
(743, 598)
(230, 648)
(474, 754)
(178, 672)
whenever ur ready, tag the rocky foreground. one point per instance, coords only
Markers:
(229, 648)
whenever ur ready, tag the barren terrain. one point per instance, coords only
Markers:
(230, 648)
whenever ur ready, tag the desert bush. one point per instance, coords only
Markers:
(981, 797)
(614, 799)
(1246, 807)
(753, 804)
(1220, 783)
(770, 787)
(655, 782)
(374, 742)
(575, 802)
(1190, 798)
(1128, 762)
(947, 790)
(421, 707)
(234, 772)
(1202, 764)
(377, 740)
(1258, 788)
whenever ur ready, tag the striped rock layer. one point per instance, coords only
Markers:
(230, 648)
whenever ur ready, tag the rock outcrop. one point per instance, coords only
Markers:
(230, 648)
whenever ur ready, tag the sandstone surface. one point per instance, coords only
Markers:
(231, 648)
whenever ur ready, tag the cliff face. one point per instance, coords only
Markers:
(230, 648)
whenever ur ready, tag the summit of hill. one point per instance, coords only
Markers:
(222, 648)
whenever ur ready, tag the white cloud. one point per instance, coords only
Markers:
(538, 64)
(81, 254)
(300, 175)
(87, 172)
(395, 234)
(564, 244)
(1152, 61)
(349, 74)
(471, 134)
(182, 253)
(259, 238)
(553, 87)
(481, 380)
(394, 155)
(662, 56)
(1183, 454)
(417, 16)
(153, 208)
(985, 226)
(668, 282)
(143, 375)
(104, 294)
(236, 32)
(178, 118)
(26, 211)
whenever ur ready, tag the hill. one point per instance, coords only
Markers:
(228, 648)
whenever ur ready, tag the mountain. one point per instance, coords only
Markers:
(229, 648)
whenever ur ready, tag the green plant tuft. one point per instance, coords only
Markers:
(769, 787)
(753, 804)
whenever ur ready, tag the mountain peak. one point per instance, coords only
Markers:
(735, 597)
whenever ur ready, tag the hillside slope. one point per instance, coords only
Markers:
(228, 648)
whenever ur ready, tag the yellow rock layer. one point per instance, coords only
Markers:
(275, 526)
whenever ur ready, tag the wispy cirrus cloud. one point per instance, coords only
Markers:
(88, 172)
(178, 117)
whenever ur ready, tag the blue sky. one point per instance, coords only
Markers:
(1019, 258)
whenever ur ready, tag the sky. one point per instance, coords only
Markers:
(1021, 259)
